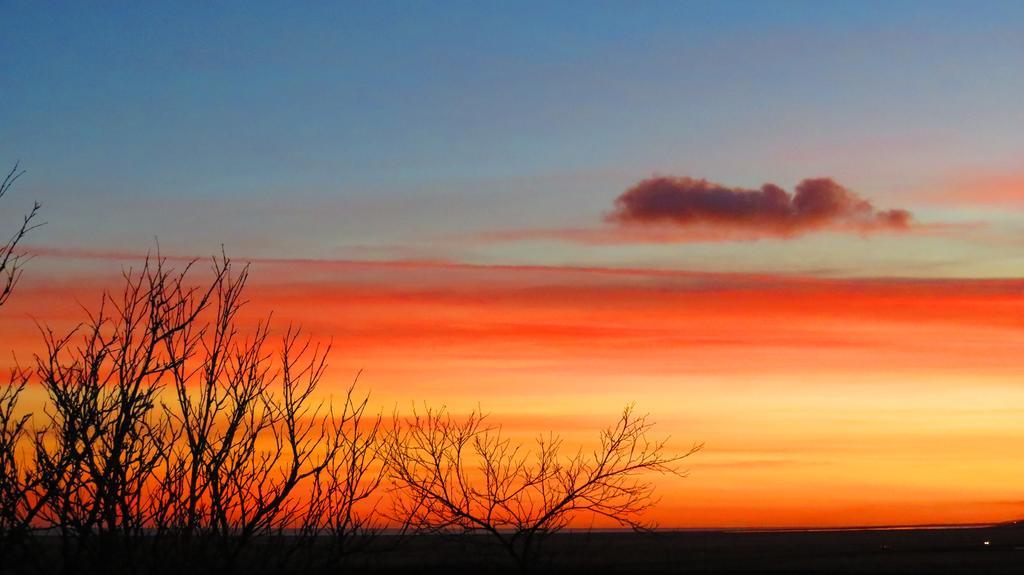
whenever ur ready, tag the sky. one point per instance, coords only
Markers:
(788, 230)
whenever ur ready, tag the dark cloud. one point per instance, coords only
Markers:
(818, 203)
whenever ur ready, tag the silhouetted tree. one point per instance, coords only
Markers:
(106, 435)
(463, 476)
(331, 523)
(171, 439)
(252, 434)
(16, 479)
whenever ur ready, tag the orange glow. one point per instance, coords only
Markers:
(981, 188)
(822, 402)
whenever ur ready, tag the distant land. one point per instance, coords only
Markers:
(939, 549)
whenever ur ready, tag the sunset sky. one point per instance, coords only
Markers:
(793, 231)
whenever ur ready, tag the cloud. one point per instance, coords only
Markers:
(816, 204)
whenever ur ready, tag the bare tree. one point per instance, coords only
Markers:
(105, 436)
(259, 455)
(11, 258)
(463, 476)
(253, 435)
(172, 435)
(172, 438)
(332, 521)
(16, 478)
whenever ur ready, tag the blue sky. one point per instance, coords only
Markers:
(399, 129)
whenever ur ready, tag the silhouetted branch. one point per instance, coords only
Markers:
(11, 258)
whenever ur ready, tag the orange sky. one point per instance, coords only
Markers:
(716, 200)
(821, 402)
